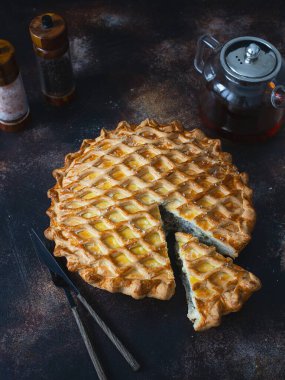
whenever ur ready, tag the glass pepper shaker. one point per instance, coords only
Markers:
(51, 45)
(14, 108)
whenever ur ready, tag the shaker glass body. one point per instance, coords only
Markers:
(14, 108)
(50, 40)
(13, 102)
(56, 76)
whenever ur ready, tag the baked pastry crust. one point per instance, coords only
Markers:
(214, 285)
(104, 215)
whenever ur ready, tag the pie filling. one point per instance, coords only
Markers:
(178, 224)
(192, 313)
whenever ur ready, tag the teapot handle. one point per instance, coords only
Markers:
(205, 41)
(278, 96)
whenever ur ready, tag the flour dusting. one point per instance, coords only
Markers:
(111, 20)
(82, 53)
(281, 251)
(3, 172)
(217, 25)
(161, 101)
(172, 51)
(174, 58)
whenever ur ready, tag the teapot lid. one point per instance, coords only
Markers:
(250, 59)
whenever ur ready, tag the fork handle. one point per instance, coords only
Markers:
(94, 358)
(117, 343)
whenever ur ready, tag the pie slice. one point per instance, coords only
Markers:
(214, 285)
(104, 215)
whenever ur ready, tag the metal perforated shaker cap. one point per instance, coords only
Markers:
(250, 59)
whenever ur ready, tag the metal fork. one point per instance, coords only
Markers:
(48, 259)
(60, 283)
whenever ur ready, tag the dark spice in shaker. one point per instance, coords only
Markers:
(56, 76)
(49, 36)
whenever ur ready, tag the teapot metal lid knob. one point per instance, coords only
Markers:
(252, 52)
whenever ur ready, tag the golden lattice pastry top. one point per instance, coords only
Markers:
(104, 215)
(214, 285)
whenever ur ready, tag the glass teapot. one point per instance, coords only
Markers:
(244, 93)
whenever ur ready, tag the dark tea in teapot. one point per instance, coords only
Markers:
(243, 97)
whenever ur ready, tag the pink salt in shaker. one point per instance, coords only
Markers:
(14, 108)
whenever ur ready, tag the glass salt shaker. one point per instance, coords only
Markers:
(51, 45)
(14, 108)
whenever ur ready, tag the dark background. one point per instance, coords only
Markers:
(133, 60)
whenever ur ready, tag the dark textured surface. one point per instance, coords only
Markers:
(133, 60)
